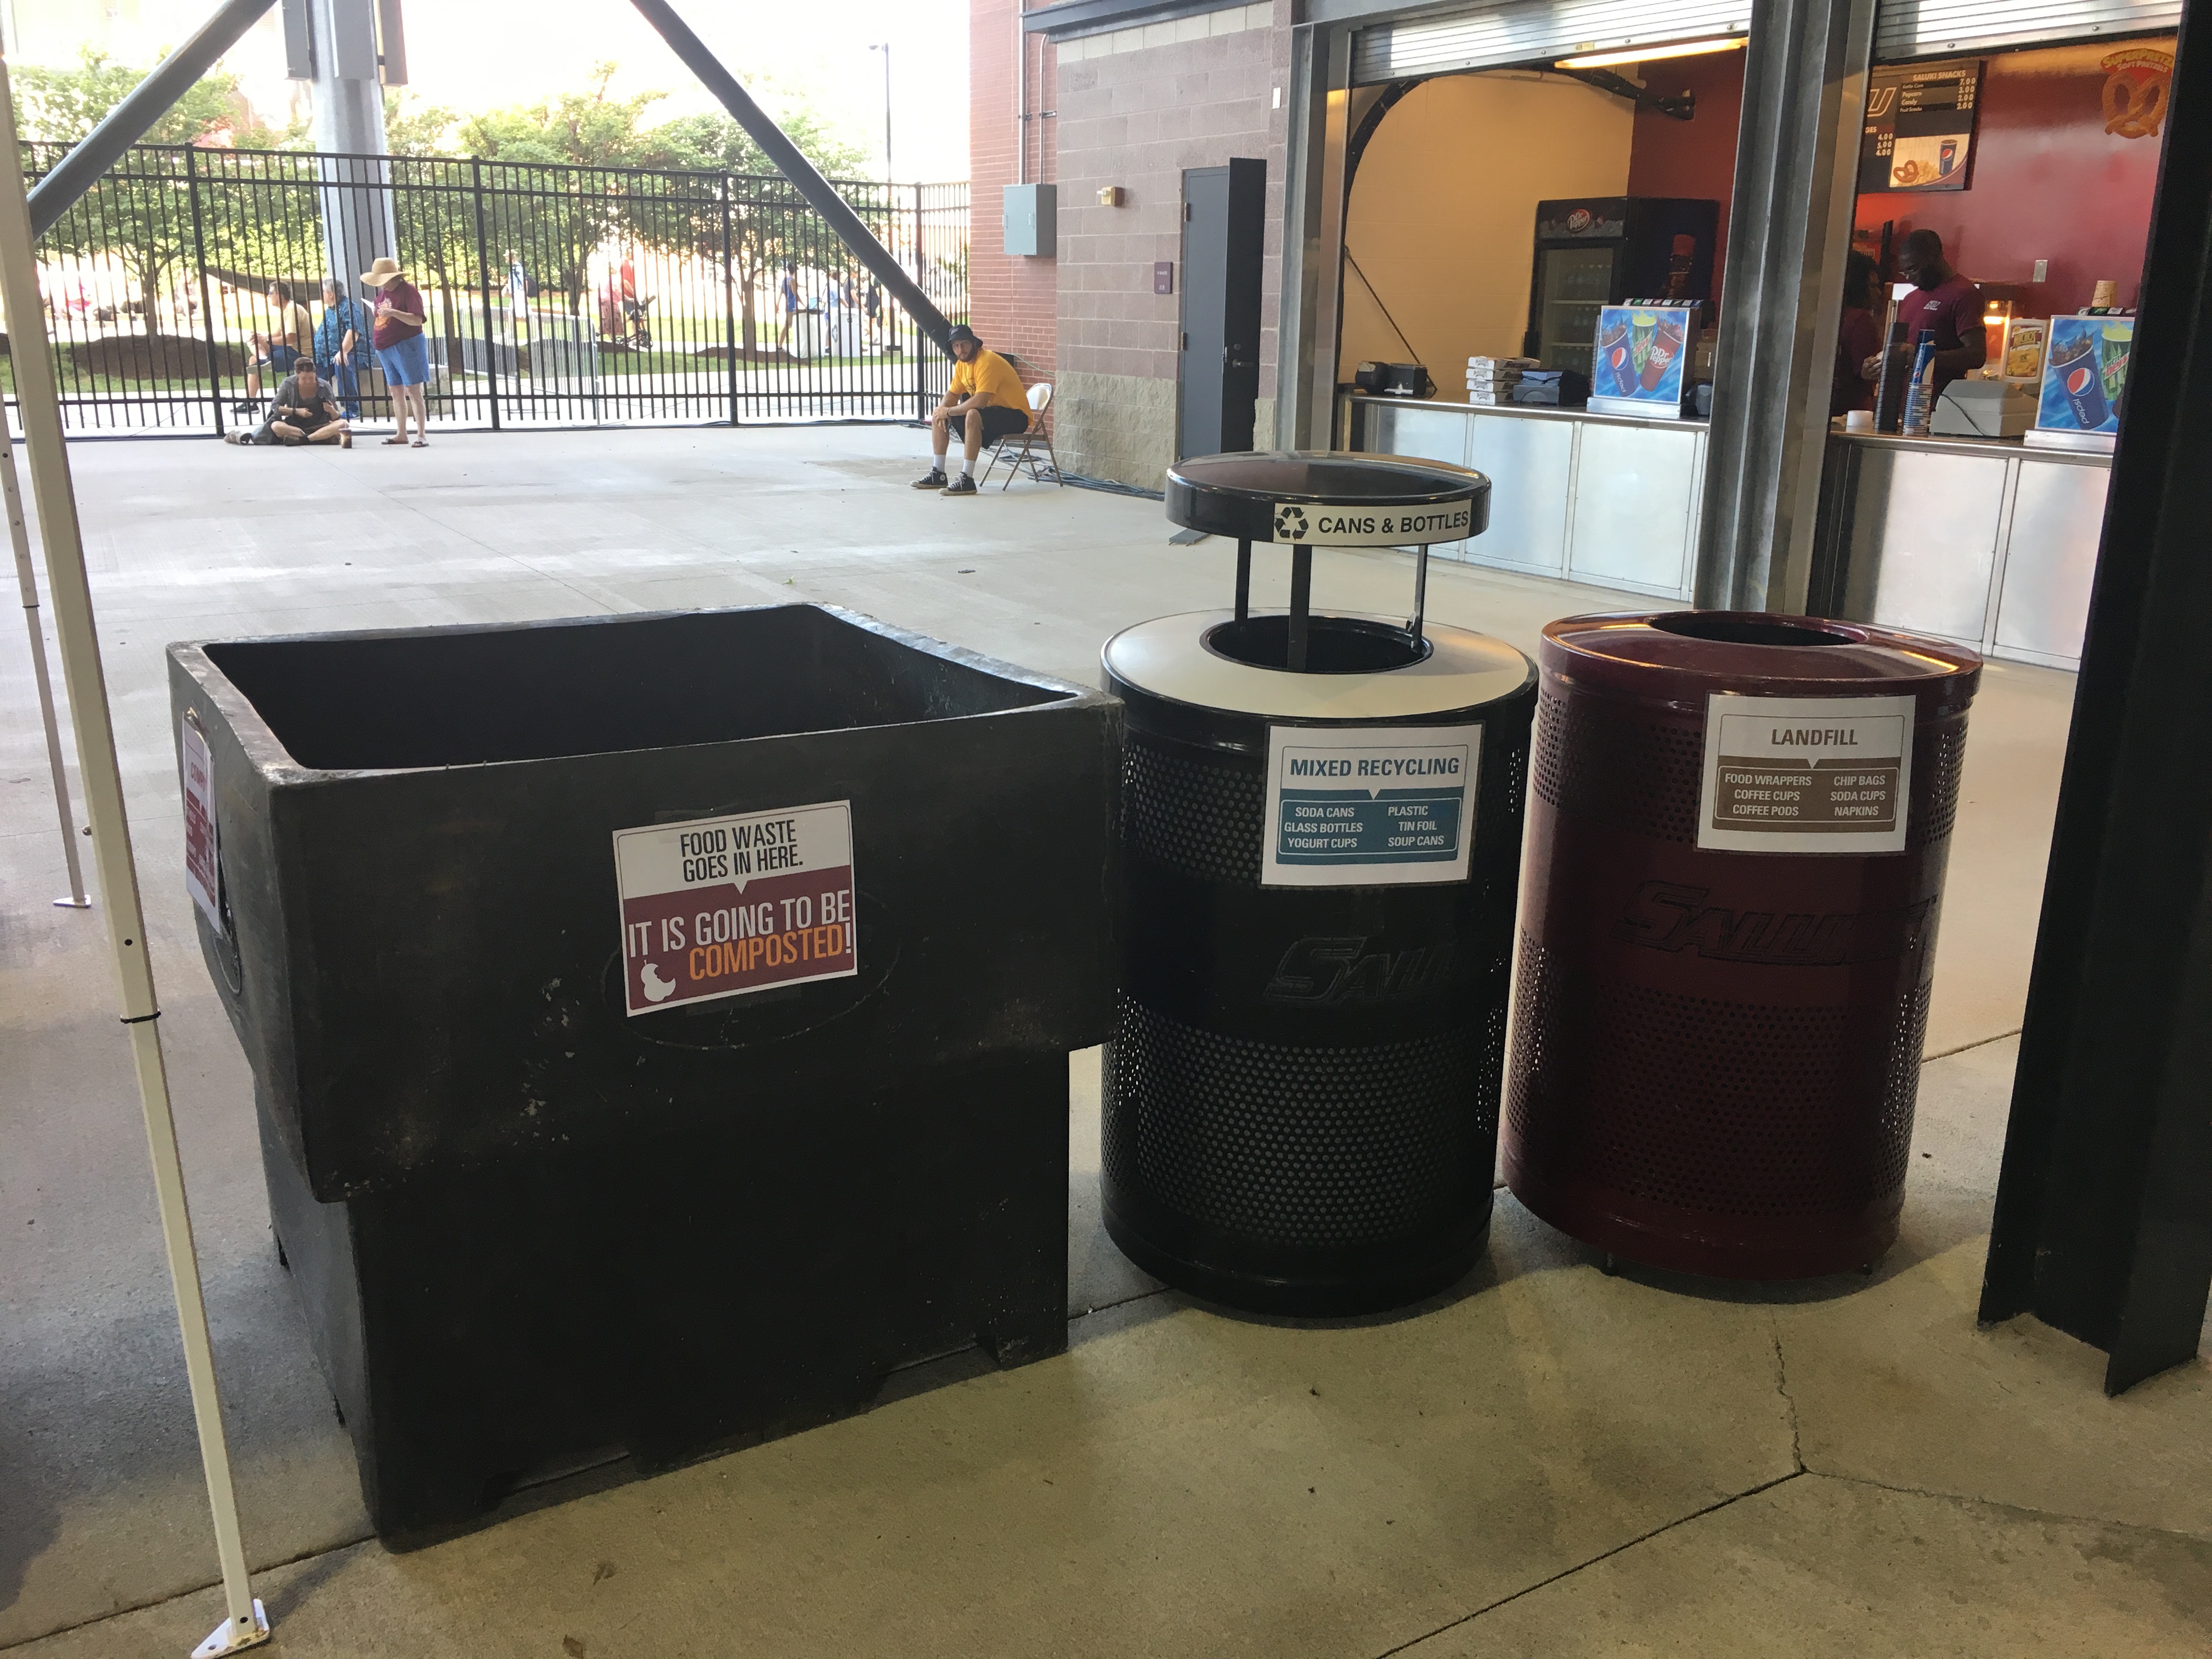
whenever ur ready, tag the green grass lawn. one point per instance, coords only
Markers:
(75, 383)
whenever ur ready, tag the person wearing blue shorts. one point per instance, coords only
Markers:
(401, 350)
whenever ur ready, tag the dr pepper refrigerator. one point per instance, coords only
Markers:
(1602, 250)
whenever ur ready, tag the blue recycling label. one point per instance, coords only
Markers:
(1366, 805)
(1397, 826)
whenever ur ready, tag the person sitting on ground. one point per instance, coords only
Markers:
(986, 397)
(305, 413)
(278, 349)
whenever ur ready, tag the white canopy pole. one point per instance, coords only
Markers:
(26, 580)
(39, 405)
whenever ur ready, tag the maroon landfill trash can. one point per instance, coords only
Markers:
(1737, 832)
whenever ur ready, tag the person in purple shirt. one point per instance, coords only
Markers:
(1943, 300)
(1858, 336)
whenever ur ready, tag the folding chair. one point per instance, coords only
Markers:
(1019, 449)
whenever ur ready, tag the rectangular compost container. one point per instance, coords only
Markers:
(534, 1230)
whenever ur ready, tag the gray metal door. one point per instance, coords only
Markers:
(1217, 371)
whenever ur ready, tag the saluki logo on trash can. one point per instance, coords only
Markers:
(719, 906)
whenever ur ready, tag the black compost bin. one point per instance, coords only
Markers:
(659, 1023)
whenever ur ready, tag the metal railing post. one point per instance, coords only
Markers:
(921, 275)
(484, 286)
(730, 295)
(207, 302)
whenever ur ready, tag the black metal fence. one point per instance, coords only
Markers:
(555, 296)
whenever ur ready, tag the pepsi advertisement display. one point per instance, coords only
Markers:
(2085, 373)
(1638, 367)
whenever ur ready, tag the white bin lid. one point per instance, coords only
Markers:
(1167, 657)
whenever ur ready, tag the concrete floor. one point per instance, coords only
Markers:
(1543, 1461)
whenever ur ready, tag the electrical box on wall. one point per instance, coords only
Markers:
(1032, 215)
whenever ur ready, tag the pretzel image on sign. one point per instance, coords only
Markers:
(2135, 86)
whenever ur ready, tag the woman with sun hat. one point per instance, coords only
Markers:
(401, 350)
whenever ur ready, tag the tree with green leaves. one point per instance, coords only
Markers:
(143, 221)
(562, 218)
(594, 129)
(412, 127)
(63, 105)
(588, 129)
(763, 206)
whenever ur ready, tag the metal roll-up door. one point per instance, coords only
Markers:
(1905, 29)
(1522, 31)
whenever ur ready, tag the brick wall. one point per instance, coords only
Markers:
(1011, 298)
(1137, 107)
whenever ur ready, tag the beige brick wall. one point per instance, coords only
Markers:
(1137, 107)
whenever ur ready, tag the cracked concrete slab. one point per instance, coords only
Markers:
(1823, 1569)
(1181, 1481)
(1897, 1385)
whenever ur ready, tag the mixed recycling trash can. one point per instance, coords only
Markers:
(1320, 837)
(1736, 848)
(659, 1023)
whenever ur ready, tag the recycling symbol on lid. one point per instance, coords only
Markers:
(1290, 524)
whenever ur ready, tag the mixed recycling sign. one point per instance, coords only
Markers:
(1369, 805)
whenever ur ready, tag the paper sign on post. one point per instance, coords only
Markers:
(720, 907)
(1806, 775)
(202, 866)
(1369, 806)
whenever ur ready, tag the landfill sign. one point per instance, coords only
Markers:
(720, 907)
(202, 866)
(1806, 775)
(1368, 806)
(1361, 524)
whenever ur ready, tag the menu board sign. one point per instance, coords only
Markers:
(2085, 371)
(1919, 129)
(1637, 366)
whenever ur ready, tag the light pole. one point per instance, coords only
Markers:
(884, 47)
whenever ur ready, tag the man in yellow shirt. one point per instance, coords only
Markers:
(986, 396)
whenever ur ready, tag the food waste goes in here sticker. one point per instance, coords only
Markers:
(720, 907)
(1369, 806)
(202, 867)
(1806, 775)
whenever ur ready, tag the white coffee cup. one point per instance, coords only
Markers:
(1858, 420)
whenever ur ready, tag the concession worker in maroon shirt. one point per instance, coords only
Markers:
(1941, 299)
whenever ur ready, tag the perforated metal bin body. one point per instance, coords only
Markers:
(1301, 1092)
(1716, 1049)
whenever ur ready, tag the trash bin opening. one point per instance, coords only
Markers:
(467, 696)
(1334, 645)
(1724, 630)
